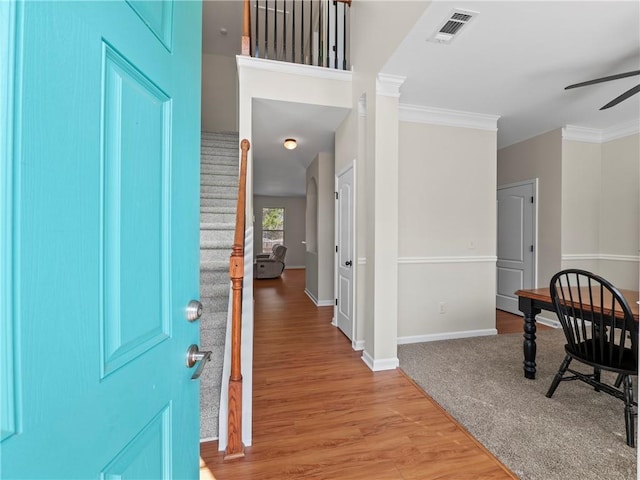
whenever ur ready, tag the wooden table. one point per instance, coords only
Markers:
(531, 303)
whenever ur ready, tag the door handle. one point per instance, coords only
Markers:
(348, 263)
(194, 355)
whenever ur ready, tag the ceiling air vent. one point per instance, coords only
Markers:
(452, 25)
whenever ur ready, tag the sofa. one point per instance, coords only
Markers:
(270, 265)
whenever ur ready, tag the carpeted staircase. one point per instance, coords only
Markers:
(218, 195)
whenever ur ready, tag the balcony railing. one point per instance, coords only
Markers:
(310, 32)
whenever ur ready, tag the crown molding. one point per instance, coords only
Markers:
(246, 62)
(621, 131)
(595, 135)
(389, 85)
(451, 118)
(581, 134)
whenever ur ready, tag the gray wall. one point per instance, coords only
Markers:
(294, 222)
(600, 208)
(219, 94)
(540, 157)
(585, 192)
(319, 275)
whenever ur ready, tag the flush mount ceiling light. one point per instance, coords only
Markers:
(290, 143)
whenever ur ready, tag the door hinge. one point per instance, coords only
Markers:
(336, 302)
(336, 195)
(531, 248)
(336, 248)
(531, 199)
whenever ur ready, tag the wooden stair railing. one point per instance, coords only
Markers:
(246, 29)
(235, 447)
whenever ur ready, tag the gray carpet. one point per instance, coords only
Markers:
(577, 434)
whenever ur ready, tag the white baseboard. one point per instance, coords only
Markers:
(358, 345)
(334, 322)
(380, 364)
(319, 303)
(446, 336)
(208, 439)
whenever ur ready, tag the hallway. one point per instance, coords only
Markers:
(320, 413)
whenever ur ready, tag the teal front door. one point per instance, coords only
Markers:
(99, 175)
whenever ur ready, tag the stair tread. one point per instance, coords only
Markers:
(222, 196)
(217, 226)
(216, 245)
(206, 209)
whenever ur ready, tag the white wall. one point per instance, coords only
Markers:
(447, 231)
(378, 31)
(540, 157)
(219, 94)
(294, 226)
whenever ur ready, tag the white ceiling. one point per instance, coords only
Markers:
(513, 60)
(277, 171)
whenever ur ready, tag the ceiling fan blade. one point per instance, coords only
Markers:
(603, 79)
(620, 98)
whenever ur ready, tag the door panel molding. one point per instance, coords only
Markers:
(157, 17)
(9, 39)
(137, 458)
(133, 108)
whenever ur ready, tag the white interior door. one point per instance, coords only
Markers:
(344, 252)
(516, 246)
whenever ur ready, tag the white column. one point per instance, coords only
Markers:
(382, 355)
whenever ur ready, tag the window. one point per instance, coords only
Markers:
(272, 228)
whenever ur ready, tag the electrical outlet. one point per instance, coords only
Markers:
(442, 307)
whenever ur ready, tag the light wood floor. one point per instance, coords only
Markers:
(320, 413)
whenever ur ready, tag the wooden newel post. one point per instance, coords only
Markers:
(246, 29)
(235, 447)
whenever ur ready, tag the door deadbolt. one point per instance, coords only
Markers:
(194, 310)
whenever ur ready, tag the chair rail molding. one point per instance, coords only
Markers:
(572, 257)
(459, 259)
